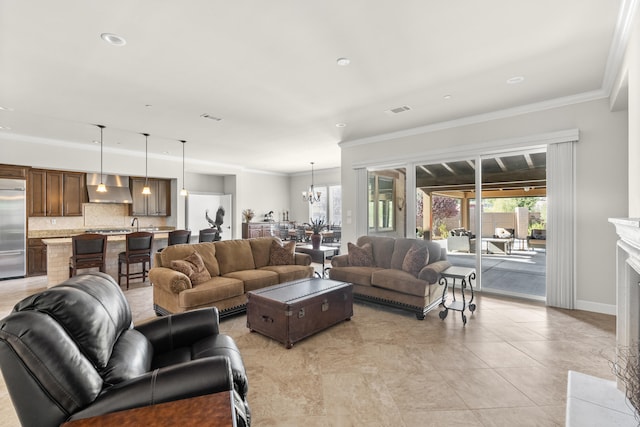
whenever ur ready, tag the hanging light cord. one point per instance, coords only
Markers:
(146, 159)
(101, 174)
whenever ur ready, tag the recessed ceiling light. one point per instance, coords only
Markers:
(343, 61)
(515, 80)
(341, 125)
(113, 39)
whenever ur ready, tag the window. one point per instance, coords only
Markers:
(386, 201)
(329, 207)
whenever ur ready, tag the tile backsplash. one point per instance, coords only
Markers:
(95, 215)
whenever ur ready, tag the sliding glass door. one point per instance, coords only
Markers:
(490, 232)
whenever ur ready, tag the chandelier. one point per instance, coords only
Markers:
(311, 196)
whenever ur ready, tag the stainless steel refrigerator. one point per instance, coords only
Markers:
(13, 228)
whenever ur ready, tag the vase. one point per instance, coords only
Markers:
(315, 241)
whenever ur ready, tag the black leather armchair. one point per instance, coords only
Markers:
(72, 352)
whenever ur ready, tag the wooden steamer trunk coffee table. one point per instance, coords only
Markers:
(291, 311)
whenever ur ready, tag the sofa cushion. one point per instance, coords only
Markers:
(193, 267)
(282, 254)
(216, 289)
(360, 256)
(261, 249)
(356, 275)
(206, 250)
(287, 273)
(415, 259)
(255, 279)
(382, 249)
(399, 281)
(131, 357)
(234, 255)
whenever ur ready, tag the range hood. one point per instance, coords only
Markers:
(117, 189)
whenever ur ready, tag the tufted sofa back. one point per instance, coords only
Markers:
(389, 252)
(72, 341)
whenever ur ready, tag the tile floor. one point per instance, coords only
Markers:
(507, 367)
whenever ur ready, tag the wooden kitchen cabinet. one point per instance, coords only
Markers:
(36, 257)
(74, 193)
(158, 203)
(56, 193)
(11, 171)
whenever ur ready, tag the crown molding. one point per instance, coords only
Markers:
(481, 118)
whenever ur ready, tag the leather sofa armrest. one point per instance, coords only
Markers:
(169, 280)
(194, 378)
(180, 329)
(302, 259)
(431, 272)
(340, 261)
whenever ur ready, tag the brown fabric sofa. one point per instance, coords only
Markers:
(386, 282)
(235, 266)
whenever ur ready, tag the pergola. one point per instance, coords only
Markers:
(521, 175)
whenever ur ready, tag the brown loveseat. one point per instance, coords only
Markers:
(386, 282)
(235, 267)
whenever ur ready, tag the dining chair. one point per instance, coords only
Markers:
(89, 251)
(138, 251)
(177, 237)
(207, 235)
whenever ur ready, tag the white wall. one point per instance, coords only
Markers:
(633, 75)
(602, 183)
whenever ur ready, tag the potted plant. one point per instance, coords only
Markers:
(248, 215)
(317, 225)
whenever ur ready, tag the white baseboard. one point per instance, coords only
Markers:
(596, 307)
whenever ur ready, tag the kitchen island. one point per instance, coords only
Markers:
(59, 251)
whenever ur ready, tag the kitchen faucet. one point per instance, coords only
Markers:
(135, 221)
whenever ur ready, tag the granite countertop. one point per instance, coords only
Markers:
(68, 233)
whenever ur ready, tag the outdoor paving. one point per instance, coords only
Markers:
(522, 272)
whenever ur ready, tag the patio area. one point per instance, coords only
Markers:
(523, 273)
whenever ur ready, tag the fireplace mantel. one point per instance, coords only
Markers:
(627, 281)
(628, 230)
(594, 401)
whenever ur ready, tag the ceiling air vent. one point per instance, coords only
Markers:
(398, 110)
(210, 117)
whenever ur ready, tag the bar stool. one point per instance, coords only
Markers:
(89, 251)
(178, 237)
(207, 235)
(138, 251)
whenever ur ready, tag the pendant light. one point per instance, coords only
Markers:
(311, 196)
(183, 192)
(146, 190)
(101, 187)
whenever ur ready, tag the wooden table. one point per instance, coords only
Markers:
(214, 410)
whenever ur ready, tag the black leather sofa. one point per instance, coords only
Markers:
(72, 352)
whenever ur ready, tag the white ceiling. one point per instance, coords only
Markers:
(268, 69)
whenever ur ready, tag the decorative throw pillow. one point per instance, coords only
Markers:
(415, 259)
(195, 263)
(282, 254)
(360, 256)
